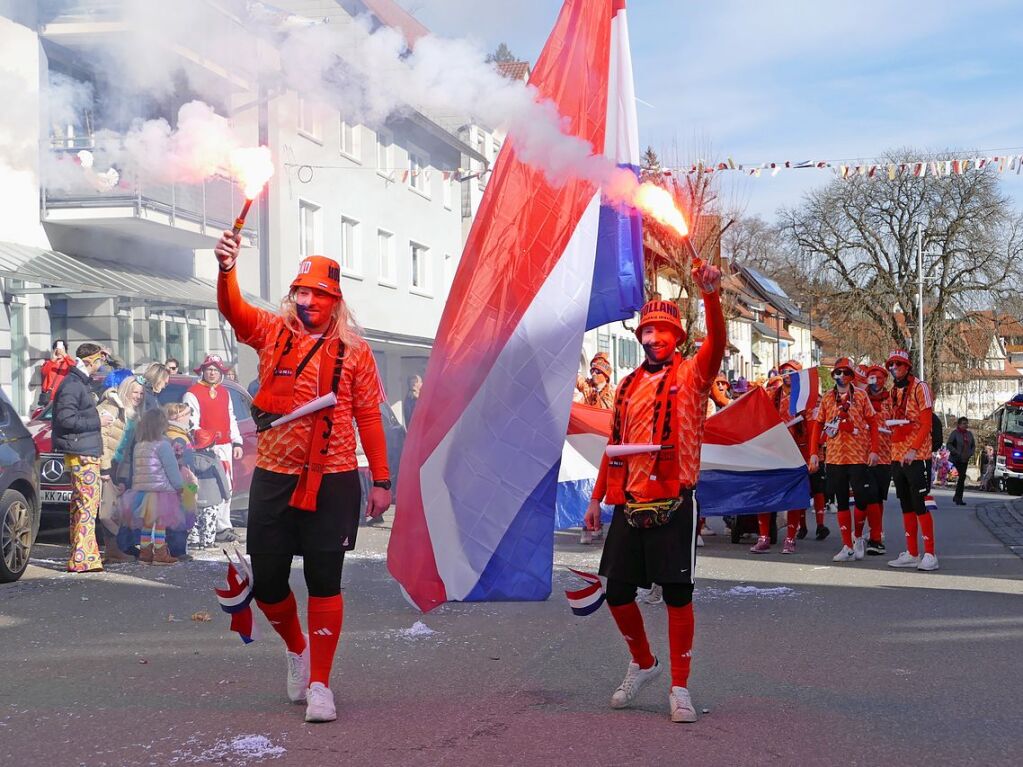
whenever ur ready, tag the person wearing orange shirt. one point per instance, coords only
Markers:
(881, 474)
(597, 390)
(912, 406)
(848, 420)
(652, 537)
(800, 433)
(305, 493)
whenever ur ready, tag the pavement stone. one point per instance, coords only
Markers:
(1005, 521)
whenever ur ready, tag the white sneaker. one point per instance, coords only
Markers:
(681, 705)
(298, 673)
(845, 555)
(928, 562)
(859, 548)
(905, 560)
(636, 679)
(699, 541)
(320, 707)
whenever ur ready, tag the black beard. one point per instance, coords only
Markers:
(653, 360)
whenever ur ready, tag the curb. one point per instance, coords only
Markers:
(1004, 520)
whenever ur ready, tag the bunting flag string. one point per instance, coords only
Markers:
(953, 166)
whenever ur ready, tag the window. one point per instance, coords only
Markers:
(196, 343)
(156, 339)
(418, 162)
(386, 271)
(628, 353)
(309, 121)
(351, 250)
(351, 144)
(175, 330)
(310, 229)
(420, 265)
(604, 342)
(20, 366)
(125, 338)
(481, 147)
(497, 150)
(385, 152)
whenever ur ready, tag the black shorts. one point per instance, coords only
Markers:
(665, 554)
(844, 478)
(819, 481)
(912, 483)
(881, 478)
(275, 527)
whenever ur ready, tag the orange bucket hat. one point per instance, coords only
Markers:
(319, 273)
(661, 311)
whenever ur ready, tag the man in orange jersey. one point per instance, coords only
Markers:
(912, 406)
(597, 390)
(881, 475)
(305, 493)
(652, 537)
(849, 422)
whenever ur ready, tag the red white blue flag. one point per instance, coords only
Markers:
(543, 262)
(805, 392)
(588, 599)
(236, 599)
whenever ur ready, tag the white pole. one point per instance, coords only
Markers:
(920, 294)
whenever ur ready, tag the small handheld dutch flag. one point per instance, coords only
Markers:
(805, 392)
(930, 504)
(588, 599)
(236, 599)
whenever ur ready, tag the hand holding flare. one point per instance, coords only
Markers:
(253, 167)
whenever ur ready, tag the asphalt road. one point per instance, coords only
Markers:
(838, 664)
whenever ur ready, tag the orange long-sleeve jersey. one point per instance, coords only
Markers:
(911, 403)
(856, 435)
(694, 378)
(885, 412)
(284, 449)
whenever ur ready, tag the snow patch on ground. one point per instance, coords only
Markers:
(417, 630)
(776, 592)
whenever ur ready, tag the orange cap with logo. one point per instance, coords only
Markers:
(319, 273)
(661, 312)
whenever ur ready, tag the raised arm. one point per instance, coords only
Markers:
(708, 358)
(242, 315)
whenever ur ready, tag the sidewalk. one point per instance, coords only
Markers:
(1005, 521)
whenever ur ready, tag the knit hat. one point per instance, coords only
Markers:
(214, 360)
(661, 311)
(899, 355)
(319, 273)
(602, 364)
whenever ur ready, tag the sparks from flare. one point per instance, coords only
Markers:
(253, 167)
(658, 203)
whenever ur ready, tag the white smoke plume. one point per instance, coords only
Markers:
(368, 75)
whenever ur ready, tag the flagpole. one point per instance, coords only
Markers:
(920, 294)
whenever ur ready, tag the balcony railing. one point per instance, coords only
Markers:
(210, 205)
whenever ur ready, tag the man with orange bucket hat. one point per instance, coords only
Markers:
(318, 379)
(848, 420)
(657, 426)
(911, 443)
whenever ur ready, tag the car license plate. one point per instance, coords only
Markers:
(56, 496)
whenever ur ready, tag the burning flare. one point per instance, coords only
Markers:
(253, 167)
(658, 203)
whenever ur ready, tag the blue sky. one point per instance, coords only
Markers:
(785, 80)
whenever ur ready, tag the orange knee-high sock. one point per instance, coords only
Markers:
(845, 526)
(326, 614)
(283, 616)
(927, 532)
(909, 520)
(764, 524)
(681, 626)
(630, 623)
(818, 508)
(875, 519)
(699, 526)
(792, 519)
(860, 517)
(802, 518)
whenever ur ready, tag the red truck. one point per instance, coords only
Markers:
(55, 484)
(1009, 450)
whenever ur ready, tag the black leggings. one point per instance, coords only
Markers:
(270, 574)
(619, 593)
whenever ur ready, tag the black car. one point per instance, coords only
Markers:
(19, 493)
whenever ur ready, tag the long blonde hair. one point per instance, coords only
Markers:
(157, 374)
(124, 391)
(342, 322)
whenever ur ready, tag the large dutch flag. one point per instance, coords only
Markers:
(588, 431)
(543, 262)
(749, 462)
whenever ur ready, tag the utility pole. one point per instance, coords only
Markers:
(920, 295)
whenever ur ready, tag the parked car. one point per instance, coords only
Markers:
(55, 484)
(19, 493)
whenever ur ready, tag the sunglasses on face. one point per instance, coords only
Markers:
(841, 374)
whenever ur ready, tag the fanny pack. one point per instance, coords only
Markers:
(650, 513)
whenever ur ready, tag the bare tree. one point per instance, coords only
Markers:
(858, 238)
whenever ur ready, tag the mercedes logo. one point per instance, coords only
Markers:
(52, 471)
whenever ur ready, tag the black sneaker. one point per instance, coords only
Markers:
(227, 536)
(823, 531)
(875, 548)
(801, 533)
